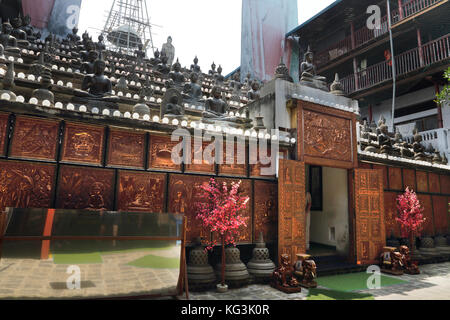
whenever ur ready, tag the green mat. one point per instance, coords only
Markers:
(155, 262)
(354, 281)
(324, 294)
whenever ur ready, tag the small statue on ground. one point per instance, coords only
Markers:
(169, 50)
(391, 261)
(309, 75)
(305, 271)
(283, 277)
(408, 266)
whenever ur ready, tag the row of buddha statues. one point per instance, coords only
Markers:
(378, 139)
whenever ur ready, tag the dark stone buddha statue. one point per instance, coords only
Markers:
(100, 45)
(96, 86)
(384, 141)
(309, 75)
(88, 48)
(195, 67)
(176, 77)
(193, 91)
(171, 106)
(29, 30)
(88, 66)
(419, 150)
(254, 93)
(213, 69)
(7, 84)
(218, 77)
(18, 33)
(236, 85)
(8, 41)
(73, 38)
(156, 59)
(163, 68)
(140, 55)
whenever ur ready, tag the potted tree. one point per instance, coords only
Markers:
(219, 211)
(410, 216)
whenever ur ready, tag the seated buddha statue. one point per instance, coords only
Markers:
(384, 141)
(309, 75)
(195, 67)
(84, 54)
(156, 60)
(97, 86)
(193, 91)
(74, 38)
(176, 77)
(171, 106)
(100, 45)
(140, 55)
(215, 107)
(163, 68)
(29, 30)
(218, 77)
(419, 150)
(8, 41)
(88, 66)
(213, 69)
(18, 33)
(254, 93)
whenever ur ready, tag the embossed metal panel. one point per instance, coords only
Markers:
(183, 194)
(35, 139)
(160, 153)
(3, 130)
(291, 208)
(197, 151)
(422, 181)
(409, 179)
(255, 169)
(434, 184)
(369, 215)
(395, 178)
(427, 204)
(390, 213)
(85, 188)
(445, 183)
(141, 191)
(232, 169)
(126, 149)
(26, 185)
(441, 214)
(83, 144)
(326, 137)
(266, 210)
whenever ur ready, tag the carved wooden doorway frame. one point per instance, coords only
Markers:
(291, 208)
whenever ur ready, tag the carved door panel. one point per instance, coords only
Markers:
(369, 215)
(291, 208)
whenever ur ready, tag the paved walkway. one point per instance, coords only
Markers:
(432, 284)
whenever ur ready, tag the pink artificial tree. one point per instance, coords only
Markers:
(410, 215)
(219, 211)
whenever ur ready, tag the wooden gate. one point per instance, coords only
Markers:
(291, 208)
(369, 229)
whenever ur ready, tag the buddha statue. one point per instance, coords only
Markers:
(195, 67)
(176, 77)
(384, 141)
(254, 93)
(213, 69)
(365, 130)
(29, 30)
(218, 77)
(2, 57)
(100, 45)
(44, 92)
(215, 107)
(8, 41)
(156, 60)
(74, 38)
(437, 157)
(169, 50)
(18, 33)
(236, 85)
(309, 75)
(336, 87)
(7, 83)
(418, 149)
(141, 107)
(171, 106)
(88, 66)
(140, 55)
(193, 91)
(163, 68)
(84, 54)
(96, 86)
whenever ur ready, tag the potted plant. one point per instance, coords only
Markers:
(410, 216)
(219, 211)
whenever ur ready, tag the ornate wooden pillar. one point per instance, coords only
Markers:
(352, 32)
(400, 10)
(419, 45)
(355, 73)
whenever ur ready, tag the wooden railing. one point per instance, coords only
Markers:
(411, 60)
(364, 35)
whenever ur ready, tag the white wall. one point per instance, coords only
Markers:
(334, 213)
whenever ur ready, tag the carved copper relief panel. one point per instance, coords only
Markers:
(233, 169)
(409, 179)
(26, 185)
(445, 183)
(160, 153)
(201, 164)
(85, 188)
(395, 178)
(83, 144)
(370, 227)
(35, 139)
(126, 149)
(427, 204)
(3, 130)
(255, 169)
(441, 214)
(433, 180)
(245, 232)
(327, 136)
(291, 208)
(422, 181)
(390, 205)
(141, 191)
(183, 194)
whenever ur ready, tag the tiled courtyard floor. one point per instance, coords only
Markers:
(432, 284)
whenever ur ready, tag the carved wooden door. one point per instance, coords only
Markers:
(369, 215)
(291, 208)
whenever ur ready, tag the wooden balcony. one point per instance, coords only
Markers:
(364, 35)
(412, 60)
